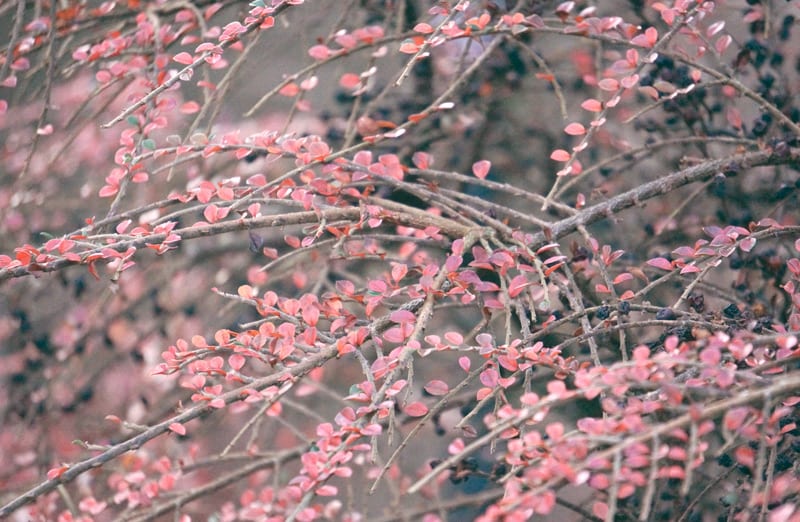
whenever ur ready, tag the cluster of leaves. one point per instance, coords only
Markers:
(409, 260)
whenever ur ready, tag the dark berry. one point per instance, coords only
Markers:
(697, 302)
(731, 311)
(665, 314)
(725, 460)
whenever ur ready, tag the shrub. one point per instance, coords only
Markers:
(399, 260)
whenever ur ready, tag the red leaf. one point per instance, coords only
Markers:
(552, 269)
(745, 455)
(560, 155)
(57, 472)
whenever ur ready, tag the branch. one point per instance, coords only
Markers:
(659, 187)
(138, 441)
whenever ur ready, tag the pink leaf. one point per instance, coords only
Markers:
(464, 362)
(416, 409)
(456, 447)
(319, 52)
(481, 168)
(178, 428)
(560, 155)
(489, 377)
(608, 84)
(722, 43)
(422, 160)
(630, 81)
(575, 129)
(592, 105)
(660, 262)
(190, 107)
(107, 191)
(437, 387)
(747, 244)
(350, 81)
(236, 361)
(372, 430)
(557, 388)
(600, 509)
(715, 28)
(183, 58)
(517, 285)
(408, 46)
(625, 276)
(327, 491)
(394, 335)
(402, 316)
(454, 338)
